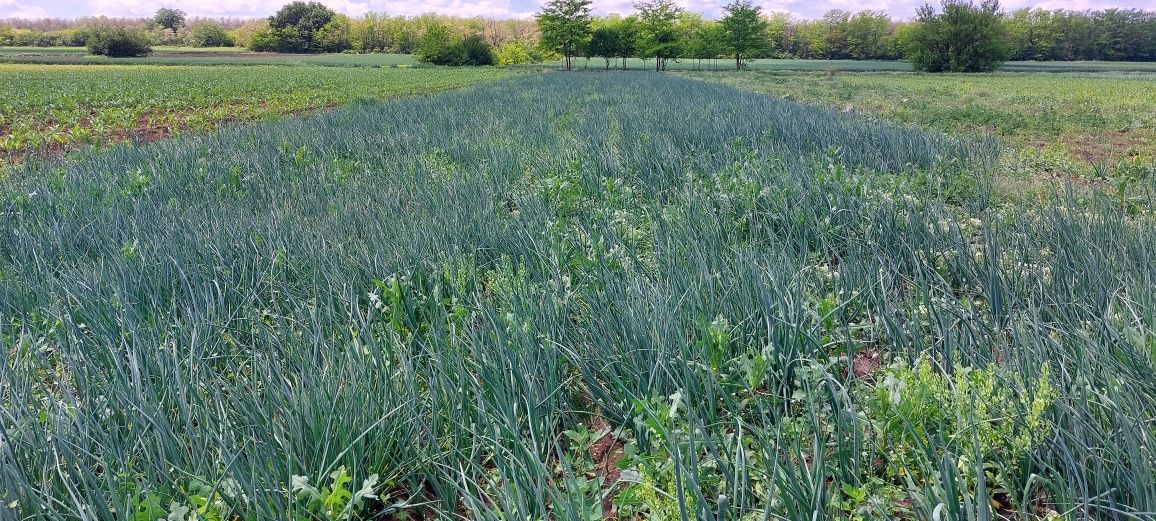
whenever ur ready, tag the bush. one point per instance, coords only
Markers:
(513, 53)
(210, 34)
(263, 40)
(440, 46)
(964, 38)
(119, 42)
(476, 50)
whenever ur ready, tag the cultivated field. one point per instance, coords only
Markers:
(1094, 129)
(572, 296)
(200, 56)
(47, 109)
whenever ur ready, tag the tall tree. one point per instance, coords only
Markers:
(963, 38)
(745, 28)
(564, 26)
(867, 34)
(295, 27)
(707, 43)
(604, 43)
(658, 35)
(171, 19)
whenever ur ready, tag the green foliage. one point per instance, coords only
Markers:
(63, 107)
(658, 35)
(978, 413)
(333, 501)
(963, 38)
(262, 40)
(118, 42)
(247, 305)
(708, 42)
(514, 53)
(168, 18)
(440, 46)
(300, 27)
(745, 29)
(564, 26)
(208, 33)
(477, 50)
(612, 39)
(334, 36)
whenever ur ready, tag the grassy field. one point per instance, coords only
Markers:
(236, 56)
(50, 108)
(1085, 126)
(550, 297)
(860, 66)
(198, 56)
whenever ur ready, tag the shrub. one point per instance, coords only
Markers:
(119, 42)
(210, 34)
(440, 46)
(513, 53)
(476, 51)
(963, 38)
(243, 35)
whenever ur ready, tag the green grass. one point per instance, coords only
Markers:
(193, 56)
(198, 56)
(52, 108)
(1075, 125)
(490, 301)
(859, 65)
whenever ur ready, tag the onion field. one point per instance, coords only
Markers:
(571, 297)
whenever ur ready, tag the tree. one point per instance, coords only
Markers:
(171, 19)
(603, 44)
(778, 32)
(437, 46)
(745, 29)
(208, 33)
(627, 29)
(658, 31)
(334, 36)
(867, 35)
(709, 43)
(564, 26)
(964, 38)
(295, 26)
(835, 24)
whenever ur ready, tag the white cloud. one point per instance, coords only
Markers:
(260, 8)
(901, 9)
(14, 9)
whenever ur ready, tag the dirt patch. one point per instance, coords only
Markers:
(606, 452)
(866, 363)
(1108, 146)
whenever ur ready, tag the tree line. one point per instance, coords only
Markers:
(656, 30)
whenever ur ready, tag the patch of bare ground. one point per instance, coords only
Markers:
(606, 452)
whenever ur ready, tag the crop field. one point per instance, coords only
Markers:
(53, 108)
(200, 56)
(538, 298)
(1099, 126)
(804, 65)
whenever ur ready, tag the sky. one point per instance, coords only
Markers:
(485, 8)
